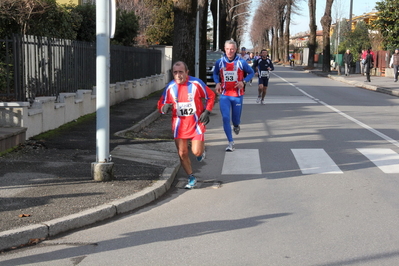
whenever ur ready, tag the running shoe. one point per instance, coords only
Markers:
(262, 102)
(230, 147)
(258, 100)
(202, 157)
(191, 182)
(236, 130)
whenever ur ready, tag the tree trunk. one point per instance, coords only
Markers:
(312, 32)
(184, 32)
(326, 25)
(275, 44)
(281, 42)
(213, 8)
(287, 32)
(203, 9)
(222, 24)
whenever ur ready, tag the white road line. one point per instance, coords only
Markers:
(279, 99)
(385, 159)
(315, 161)
(376, 132)
(242, 162)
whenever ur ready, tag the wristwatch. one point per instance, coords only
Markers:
(243, 81)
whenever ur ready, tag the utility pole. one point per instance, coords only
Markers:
(217, 26)
(102, 169)
(350, 15)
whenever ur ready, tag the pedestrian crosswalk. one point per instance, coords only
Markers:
(310, 161)
(385, 159)
(315, 161)
(242, 161)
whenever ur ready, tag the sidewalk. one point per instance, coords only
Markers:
(378, 84)
(46, 186)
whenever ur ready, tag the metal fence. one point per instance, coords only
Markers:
(32, 66)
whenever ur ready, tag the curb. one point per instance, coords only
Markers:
(359, 84)
(393, 92)
(140, 125)
(24, 235)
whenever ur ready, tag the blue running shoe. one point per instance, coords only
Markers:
(202, 157)
(192, 181)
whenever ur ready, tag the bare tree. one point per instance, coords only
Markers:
(22, 10)
(312, 32)
(291, 8)
(287, 31)
(143, 11)
(260, 31)
(326, 25)
(231, 18)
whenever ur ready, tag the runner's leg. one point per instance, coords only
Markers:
(182, 150)
(237, 110)
(225, 109)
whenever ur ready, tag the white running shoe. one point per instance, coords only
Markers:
(258, 100)
(262, 102)
(230, 147)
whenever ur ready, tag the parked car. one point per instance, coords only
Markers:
(211, 58)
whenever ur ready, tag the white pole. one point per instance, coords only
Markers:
(197, 46)
(217, 28)
(102, 169)
(102, 80)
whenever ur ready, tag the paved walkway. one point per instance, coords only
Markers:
(378, 84)
(46, 186)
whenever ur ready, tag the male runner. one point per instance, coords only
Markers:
(228, 75)
(262, 66)
(184, 96)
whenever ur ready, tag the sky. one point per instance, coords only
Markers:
(300, 23)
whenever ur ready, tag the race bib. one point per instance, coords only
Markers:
(230, 76)
(186, 109)
(264, 74)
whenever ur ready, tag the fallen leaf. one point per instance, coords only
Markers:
(23, 215)
(34, 241)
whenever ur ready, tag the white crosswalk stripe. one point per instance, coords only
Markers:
(385, 159)
(310, 161)
(242, 162)
(315, 161)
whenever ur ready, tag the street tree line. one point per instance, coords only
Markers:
(271, 28)
(170, 22)
(48, 19)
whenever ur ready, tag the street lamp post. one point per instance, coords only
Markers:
(217, 27)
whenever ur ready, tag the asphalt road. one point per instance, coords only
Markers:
(313, 181)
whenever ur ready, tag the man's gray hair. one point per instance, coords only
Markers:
(230, 42)
(179, 63)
